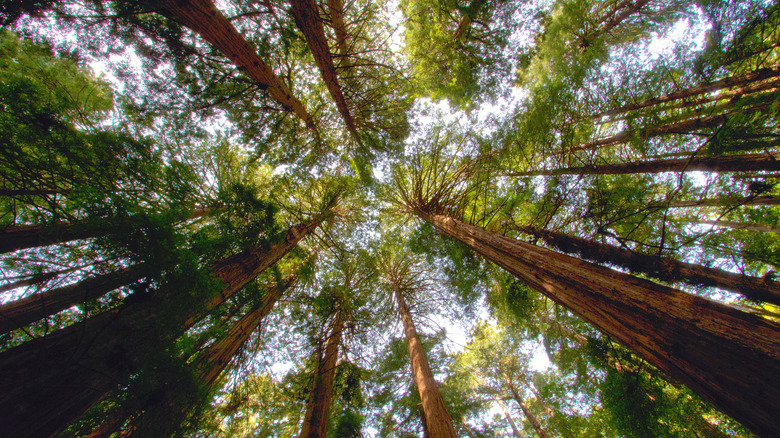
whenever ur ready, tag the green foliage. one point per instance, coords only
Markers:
(464, 69)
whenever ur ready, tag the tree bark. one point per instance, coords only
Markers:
(729, 357)
(614, 17)
(16, 237)
(24, 311)
(526, 411)
(307, 18)
(662, 268)
(719, 163)
(203, 17)
(438, 420)
(508, 417)
(46, 383)
(163, 415)
(30, 281)
(336, 10)
(740, 225)
(681, 127)
(725, 202)
(751, 81)
(315, 421)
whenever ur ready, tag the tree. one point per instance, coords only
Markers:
(151, 216)
(403, 277)
(523, 261)
(205, 19)
(39, 363)
(659, 267)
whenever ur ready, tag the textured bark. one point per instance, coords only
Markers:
(729, 357)
(203, 17)
(437, 419)
(315, 421)
(237, 270)
(336, 10)
(508, 417)
(526, 411)
(720, 163)
(308, 20)
(213, 361)
(19, 313)
(14, 238)
(751, 82)
(662, 268)
(47, 383)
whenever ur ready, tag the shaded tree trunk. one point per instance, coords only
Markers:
(751, 82)
(729, 357)
(682, 127)
(315, 421)
(740, 225)
(31, 192)
(720, 163)
(24, 311)
(203, 17)
(46, 383)
(29, 281)
(725, 202)
(612, 19)
(307, 18)
(662, 268)
(16, 237)
(437, 419)
(163, 414)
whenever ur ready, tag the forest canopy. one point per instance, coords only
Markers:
(358, 218)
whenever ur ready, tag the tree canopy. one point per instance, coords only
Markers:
(356, 218)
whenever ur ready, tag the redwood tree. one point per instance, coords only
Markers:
(66, 372)
(694, 340)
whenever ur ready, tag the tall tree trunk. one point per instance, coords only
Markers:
(315, 421)
(662, 268)
(612, 19)
(46, 383)
(30, 281)
(729, 357)
(751, 82)
(740, 225)
(164, 414)
(719, 163)
(336, 10)
(724, 202)
(237, 270)
(16, 237)
(307, 18)
(437, 418)
(508, 416)
(203, 17)
(526, 411)
(682, 127)
(31, 192)
(19, 313)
